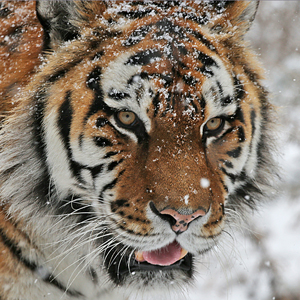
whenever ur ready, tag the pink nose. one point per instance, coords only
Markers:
(182, 221)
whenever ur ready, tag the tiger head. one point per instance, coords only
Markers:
(148, 130)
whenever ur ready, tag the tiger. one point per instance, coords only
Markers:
(134, 135)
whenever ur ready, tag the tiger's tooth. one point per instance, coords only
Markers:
(139, 256)
(183, 253)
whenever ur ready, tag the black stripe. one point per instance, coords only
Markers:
(94, 83)
(235, 153)
(227, 163)
(136, 14)
(116, 95)
(76, 169)
(226, 100)
(64, 122)
(60, 73)
(220, 5)
(102, 142)
(238, 115)
(166, 26)
(202, 39)
(144, 57)
(166, 4)
(242, 176)
(221, 137)
(110, 154)
(225, 188)
(98, 55)
(206, 60)
(253, 77)
(195, 107)
(137, 36)
(221, 92)
(93, 79)
(141, 133)
(4, 11)
(15, 34)
(167, 79)
(206, 71)
(17, 253)
(101, 122)
(239, 196)
(38, 114)
(202, 103)
(80, 140)
(190, 80)
(199, 19)
(136, 3)
(93, 274)
(241, 134)
(232, 177)
(253, 117)
(119, 203)
(51, 279)
(102, 35)
(42, 187)
(113, 164)
(112, 184)
(156, 104)
(108, 186)
(182, 49)
(207, 63)
(95, 171)
(239, 89)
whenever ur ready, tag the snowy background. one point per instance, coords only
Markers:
(261, 261)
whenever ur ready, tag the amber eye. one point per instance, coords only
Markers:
(126, 118)
(214, 126)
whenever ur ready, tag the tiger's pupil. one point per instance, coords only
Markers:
(126, 117)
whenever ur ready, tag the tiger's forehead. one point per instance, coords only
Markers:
(195, 10)
(165, 66)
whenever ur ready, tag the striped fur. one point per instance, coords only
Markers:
(81, 189)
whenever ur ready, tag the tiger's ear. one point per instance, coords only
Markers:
(61, 20)
(56, 19)
(233, 14)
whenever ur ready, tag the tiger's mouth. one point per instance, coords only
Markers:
(169, 258)
(165, 256)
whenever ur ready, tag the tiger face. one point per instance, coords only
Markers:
(148, 126)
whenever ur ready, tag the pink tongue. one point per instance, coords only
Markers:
(165, 256)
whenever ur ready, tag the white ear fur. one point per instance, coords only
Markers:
(233, 13)
(57, 18)
(249, 13)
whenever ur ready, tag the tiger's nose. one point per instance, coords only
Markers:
(179, 222)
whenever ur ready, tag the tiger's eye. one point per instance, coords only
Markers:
(214, 124)
(127, 117)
